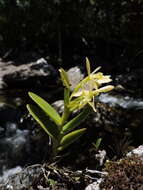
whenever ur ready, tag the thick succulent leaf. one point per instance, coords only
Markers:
(75, 121)
(49, 127)
(46, 107)
(70, 138)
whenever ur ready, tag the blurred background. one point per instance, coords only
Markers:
(65, 31)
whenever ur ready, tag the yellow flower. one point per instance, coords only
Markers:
(93, 80)
(81, 99)
(84, 97)
(88, 88)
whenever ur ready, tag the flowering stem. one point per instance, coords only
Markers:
(65, 115)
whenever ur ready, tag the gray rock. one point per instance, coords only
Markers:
(20, 146)
(75, 76)
(100, 156)
(28, 74)
(14, 145)
(125, 102)
(9, 112)
(59, 106)
(8, 173)
(2, 84)
(132, 81)
(94, 185)
(138, 151)
(22, 180)
(17, 143)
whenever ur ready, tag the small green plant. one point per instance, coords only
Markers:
(62, 131)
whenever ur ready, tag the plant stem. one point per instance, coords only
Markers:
(66, 111)
(65, 115)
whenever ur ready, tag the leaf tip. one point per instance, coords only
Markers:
(30, 93)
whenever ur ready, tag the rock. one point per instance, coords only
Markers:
(122, 116)
(22, 180)
(8, 173)
(32, 74)
(125, 102)
(94, 185)
(9, 113)
(20, 141)
(75, 76)
(2, 84)
(20, 147)
(138, 151)
(14, 146)
(132, 81)
(100, 156)
(59, 106)
(1, 131)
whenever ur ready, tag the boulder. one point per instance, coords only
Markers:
(9, 112)
(22, 180)
(75, 76)
(31, 74)
(131, 81)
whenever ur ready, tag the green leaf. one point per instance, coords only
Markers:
(75, 121)
(51, 182)
(49, 127)
(46, 107)
(70, 138)
(97, 143)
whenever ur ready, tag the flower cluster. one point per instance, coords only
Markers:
(87, 89)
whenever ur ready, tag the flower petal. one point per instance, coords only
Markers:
(97, 69)
(64, 78)
(105, 88)
(105, 79)
(88, 66)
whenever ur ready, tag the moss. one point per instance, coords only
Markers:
(126, 174)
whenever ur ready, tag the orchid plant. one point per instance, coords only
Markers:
(58, 127)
